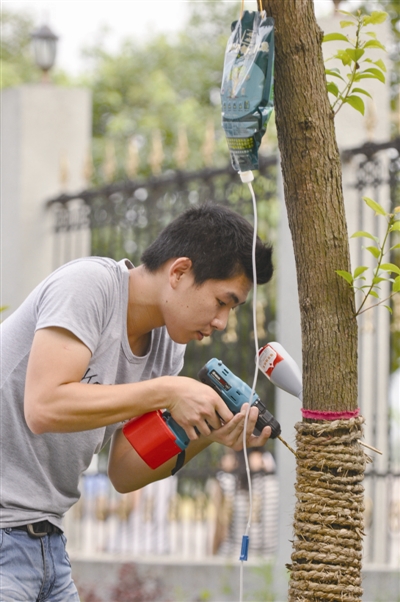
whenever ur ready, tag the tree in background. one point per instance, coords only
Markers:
(17, 65)
(166, 85)
(16, 62)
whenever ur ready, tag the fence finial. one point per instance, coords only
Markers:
(110, 163)
(132, 162)
(64, 172)
(87, 171)
(208, 147)
(157, 154)
(182, 149)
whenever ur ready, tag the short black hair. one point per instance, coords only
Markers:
(217, 240)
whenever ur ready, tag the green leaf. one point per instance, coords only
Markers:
(355, 53)
(356, 102)
(375, 206)
(346, 275)
(343, 56)
(388, 308)
(374, 44)
(373, 294)
(376, 17)
(390, 267)
(378, 280)
(378, 63)
(332, 88)
(362, 91)
(331, 37)
(363, 234)
(375, 252)
(343, 12)
(395, 227)
(359, 76)
(360, 270)
(334, 73)
(396, 285)
(395, 247)
(377, 73)
(346, 23)
(372, 34)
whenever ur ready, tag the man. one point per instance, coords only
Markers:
(95, 344)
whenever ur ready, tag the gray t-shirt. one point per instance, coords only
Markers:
(39, 474)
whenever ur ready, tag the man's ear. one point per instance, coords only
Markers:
(179, 268)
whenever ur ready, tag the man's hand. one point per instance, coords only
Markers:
(128, 471)
(231, 433)
(197, 406)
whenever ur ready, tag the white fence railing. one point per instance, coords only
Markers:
(157, 520)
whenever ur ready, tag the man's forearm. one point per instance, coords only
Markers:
(128, 472)
(75, 407)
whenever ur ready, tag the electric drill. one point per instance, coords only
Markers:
(235, 393)
(157, 437)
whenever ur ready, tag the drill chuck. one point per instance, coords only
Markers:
(265, 418)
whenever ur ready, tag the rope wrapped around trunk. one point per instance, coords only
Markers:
(328, 521)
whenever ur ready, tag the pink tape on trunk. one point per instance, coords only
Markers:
(317, 415)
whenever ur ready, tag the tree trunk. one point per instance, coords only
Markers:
(328, 520)
(314, 199)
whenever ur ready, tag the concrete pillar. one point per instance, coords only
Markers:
(45, 139)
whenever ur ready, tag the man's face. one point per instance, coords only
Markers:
(195, 311)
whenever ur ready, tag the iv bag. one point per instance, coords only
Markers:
(247, 87)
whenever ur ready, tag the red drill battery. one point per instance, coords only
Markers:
(153, 437)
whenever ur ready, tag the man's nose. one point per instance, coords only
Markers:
(220, 321)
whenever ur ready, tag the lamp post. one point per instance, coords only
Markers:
(44, 44)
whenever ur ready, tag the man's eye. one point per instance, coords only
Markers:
(221, 303)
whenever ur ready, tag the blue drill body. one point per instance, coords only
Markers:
(235, 393)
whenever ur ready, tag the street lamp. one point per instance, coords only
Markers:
(44, 43)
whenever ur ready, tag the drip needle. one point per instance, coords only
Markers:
(287, 445)
(369, 447)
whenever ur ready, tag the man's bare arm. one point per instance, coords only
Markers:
(56, 400)
(128, 472)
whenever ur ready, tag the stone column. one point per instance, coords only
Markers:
(46, 137)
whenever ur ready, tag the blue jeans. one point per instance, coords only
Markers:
(35, 569)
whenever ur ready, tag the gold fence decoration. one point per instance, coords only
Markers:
(181, 154)
(64, 172)
(156, 157)
(208, 148)
(132, 160)
(109, 167)
(88, 169)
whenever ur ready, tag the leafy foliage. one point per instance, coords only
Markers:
(392, 7)
(144, 88)
(384, 271)
(16, 59)
(355, 57)
(16, 63)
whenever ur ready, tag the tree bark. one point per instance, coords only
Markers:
(314, 200)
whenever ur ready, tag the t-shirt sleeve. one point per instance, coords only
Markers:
(78, 297)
